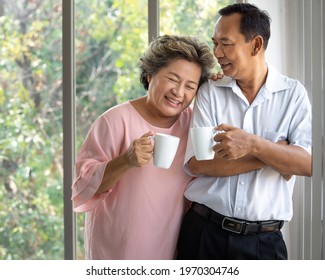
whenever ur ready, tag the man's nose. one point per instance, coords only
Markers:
(218, 51)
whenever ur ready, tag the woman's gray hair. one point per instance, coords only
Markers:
(167, 48)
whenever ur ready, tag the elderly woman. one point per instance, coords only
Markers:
(134, 209)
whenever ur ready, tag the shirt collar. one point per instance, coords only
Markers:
(275, 82)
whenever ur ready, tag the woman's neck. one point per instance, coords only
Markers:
(151, 115)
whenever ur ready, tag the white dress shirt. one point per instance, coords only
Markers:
(281, 110)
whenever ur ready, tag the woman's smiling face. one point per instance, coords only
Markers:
(173, 88)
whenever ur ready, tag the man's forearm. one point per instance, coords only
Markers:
(286, 159)
(219, 167)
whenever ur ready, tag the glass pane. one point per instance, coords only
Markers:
(111, 36)
(190, 17)
(31, 192)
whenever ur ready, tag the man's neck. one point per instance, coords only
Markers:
(251, 86)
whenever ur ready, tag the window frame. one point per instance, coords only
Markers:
(69, 126)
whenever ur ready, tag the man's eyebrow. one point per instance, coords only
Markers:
(221, 39)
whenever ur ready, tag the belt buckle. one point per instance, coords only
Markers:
(233, 225)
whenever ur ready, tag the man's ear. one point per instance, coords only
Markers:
(149, 78)
(257, 44)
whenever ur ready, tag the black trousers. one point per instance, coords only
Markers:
(201, 239)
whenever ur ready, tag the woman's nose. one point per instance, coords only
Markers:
(178, 90)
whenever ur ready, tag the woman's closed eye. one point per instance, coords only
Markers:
(191, 88)
(174, 80)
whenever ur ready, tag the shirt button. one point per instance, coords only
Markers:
(238, 209)
(242, 182)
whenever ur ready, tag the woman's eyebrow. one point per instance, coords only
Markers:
(177, 76)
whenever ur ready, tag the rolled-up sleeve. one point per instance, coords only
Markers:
(300, 129)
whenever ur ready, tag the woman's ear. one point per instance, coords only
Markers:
(257, 44)
(149, 78)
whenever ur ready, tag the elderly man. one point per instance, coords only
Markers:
(241, 198)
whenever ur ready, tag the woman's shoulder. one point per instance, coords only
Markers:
(119, 111)
(118, 108)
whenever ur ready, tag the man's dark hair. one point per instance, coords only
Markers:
(253, 22)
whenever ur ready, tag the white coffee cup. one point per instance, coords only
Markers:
(202, 142)
(165, 148)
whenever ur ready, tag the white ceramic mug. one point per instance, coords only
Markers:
(165, 148)
(202, 142)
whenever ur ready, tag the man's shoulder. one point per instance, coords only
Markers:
(222, 83)
(278, 81)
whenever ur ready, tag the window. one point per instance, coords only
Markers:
(40, 132)
(110, 38)
(31, 171)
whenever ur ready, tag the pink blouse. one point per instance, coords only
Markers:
(140, 217)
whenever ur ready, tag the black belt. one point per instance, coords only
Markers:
(236, 225)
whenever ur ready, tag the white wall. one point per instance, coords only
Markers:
(275, 9)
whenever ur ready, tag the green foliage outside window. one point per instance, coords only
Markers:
(30, 130)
